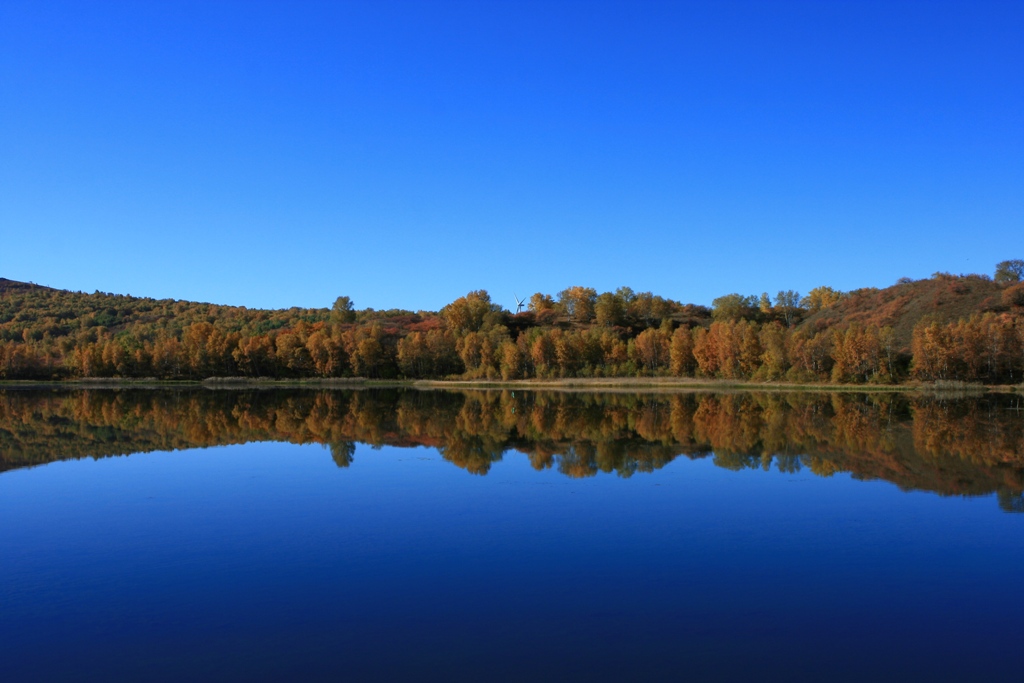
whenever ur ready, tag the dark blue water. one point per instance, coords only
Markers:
(266, 561)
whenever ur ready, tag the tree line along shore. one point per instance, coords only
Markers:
(964, 328)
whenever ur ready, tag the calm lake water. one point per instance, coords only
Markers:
(407, 535)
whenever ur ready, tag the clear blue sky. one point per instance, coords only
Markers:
(278, 154)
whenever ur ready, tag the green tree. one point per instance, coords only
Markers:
(342, 311)
(774, 362)
(626, 294)
(1009, 271)
(787, 303)
(649, 308)
(609, 309)
(734, 307)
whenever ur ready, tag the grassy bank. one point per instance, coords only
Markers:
(568, 384)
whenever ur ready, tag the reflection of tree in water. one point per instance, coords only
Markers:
(964, 446)
(1011, 502)
(343, 452)
(472, 453)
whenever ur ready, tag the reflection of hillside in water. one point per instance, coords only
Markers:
(966, 446)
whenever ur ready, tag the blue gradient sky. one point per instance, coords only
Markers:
(282, 154)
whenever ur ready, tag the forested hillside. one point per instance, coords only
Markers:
(947, 327)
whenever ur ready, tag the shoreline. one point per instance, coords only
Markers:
(603, 384)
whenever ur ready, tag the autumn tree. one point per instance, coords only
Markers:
(810, 355)
(1014, 295)
(372, 352)
(292, 354)
(568, 352)
(472, 312)
(931, 346)
(729, 349)
(543, 354)
(614, 353)
(888, 353)
(512, 361)
(726, 343)
(254, 356)
(578, 303)
(855, 354)
(413, 355)
(750, 349)
(369, 356)
(541, 302)
(475, 353)
(479, 352)
(1018, 348)
(429, 354)
(681, 360)
(207, 350)
(651, 350)
(705, 352)
(820, 298)
(327, 353)
(443, 352)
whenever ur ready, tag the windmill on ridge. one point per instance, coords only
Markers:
(519, 303)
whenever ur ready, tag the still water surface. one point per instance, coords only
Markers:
(411, 535)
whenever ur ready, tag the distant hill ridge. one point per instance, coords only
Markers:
(15, 286)
(943, 298)
(947, 327)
